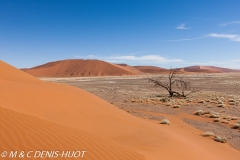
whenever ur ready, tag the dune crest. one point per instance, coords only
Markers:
(8, 73)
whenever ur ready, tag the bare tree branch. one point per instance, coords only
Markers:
(181, 86)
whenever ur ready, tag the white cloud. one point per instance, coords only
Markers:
(132, 59)
(154, 58)
(232, 37)
(182, 26)
(180, 40)
(229, 23)
(235, 61)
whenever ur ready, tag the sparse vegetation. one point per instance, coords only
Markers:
(220, 139)
(214, 115)
(236, 126)
(220, 102)
(206, 112)
(165, 121)
(231, 100)
(217, 119)
(208, 134)
(199, 112)
(201, 101)
(224, 121)
(176, 106)
(220, 105)
(226, 117)
(216, 138)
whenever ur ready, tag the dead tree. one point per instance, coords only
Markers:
(175, 86)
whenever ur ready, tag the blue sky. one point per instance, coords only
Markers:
(165, 33)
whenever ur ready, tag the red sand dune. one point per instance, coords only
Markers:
(36, 115)
(190, 69)
(143, 69)
(130, 69)
(76, 68)
(151, 69)
(208, 69)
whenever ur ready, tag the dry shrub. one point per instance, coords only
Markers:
(220, 139)
(234, 118)
(165, 121)
(199, 112)
(206, 112)
(220, 105)
(201, 101)
(176, 106)
(217, 119)
(208, 134)
(224, 121)
(236, 126)
(214, 116)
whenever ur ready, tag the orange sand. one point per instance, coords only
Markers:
(151, 69)
(129, 68)
(36, 115)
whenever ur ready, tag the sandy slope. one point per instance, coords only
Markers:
(30, 109)
(24, 132)
(151, 69)
(129, 68)
(139, 70)
(77, 67)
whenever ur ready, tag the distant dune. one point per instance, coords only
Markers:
(37, 115)
(130, 69)
(76, 68)
(151, 69)
(143, 69)
(208, 69)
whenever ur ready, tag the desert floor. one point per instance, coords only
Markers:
(218, 99)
